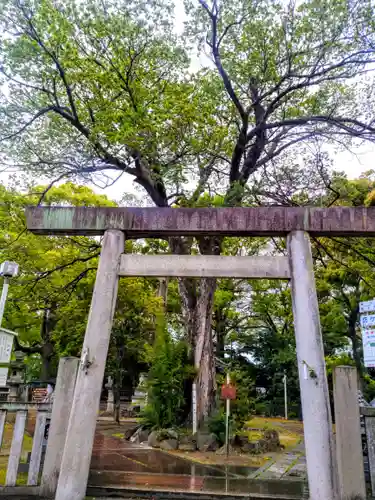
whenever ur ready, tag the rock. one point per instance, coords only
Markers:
(168, 434)
(143, 437)
(169, 444)
(223, 450)
(140, 436)
(131, 431)
(187, 447)
(261, 446)
(206, 442)
(238, 441)
(245, 446)
(153, 440)
(272, 438)
(187, 443)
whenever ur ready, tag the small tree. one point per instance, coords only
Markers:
(170, 370)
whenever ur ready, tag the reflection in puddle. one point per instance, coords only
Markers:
(110, 454)
(118, 464)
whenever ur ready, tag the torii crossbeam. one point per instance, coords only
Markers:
(119, 223)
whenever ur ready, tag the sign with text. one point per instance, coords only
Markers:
(228, 391)
(368, 340)
(368, 331)
(367, 306)
(6, 344)
(368, 321)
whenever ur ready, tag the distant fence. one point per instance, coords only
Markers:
(22, 411)
(39, 419)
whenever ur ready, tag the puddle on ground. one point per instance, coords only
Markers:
(110, 480)
(118, 464)
(110, 454)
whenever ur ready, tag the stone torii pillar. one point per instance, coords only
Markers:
(317, 420)
(76, 459)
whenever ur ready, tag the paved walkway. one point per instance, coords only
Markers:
(288, 465)
(118, 464)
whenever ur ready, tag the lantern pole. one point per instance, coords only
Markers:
(7, 270)
(3, 298)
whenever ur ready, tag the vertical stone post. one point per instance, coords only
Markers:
(76, 459)
(350, 472)
(63, 399)
(311, 368)
(369, 415)
(110, 402)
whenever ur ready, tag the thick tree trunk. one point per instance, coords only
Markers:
(197, 305)
(220, 331)
(46, 355)
(117, 404)
(204, 356)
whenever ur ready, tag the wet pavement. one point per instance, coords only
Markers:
(118, 464)
(114, 454)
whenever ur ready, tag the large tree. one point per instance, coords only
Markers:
(98, 86)
(49, 302)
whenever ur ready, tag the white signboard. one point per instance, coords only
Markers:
(367, 306)
(3, 376)
(368, 340)
(368, 321)
(6, 343)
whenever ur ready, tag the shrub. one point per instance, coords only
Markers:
(216, 425)
(170, 369)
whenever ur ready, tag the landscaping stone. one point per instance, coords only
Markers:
(187, 447)
(187, 443)
(140, 436)
(273, 440)
(170, 433)
(169, 444)
(206, 442)
(269, 442)
(153, 439)
(130, 432)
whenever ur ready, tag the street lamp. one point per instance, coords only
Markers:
(7, 270)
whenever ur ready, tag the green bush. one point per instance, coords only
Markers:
(368, 388)
(216, 425)
(170, 369)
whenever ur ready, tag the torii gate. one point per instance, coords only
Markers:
(119, 223)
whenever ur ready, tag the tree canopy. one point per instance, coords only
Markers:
(101, 90)
(49, 302)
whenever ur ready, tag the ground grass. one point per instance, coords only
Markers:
(118, 435)
(290, 431)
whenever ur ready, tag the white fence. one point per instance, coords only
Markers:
(21, 411)
(42, 476)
